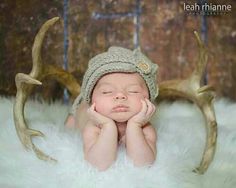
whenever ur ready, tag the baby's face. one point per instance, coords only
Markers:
(118, 95)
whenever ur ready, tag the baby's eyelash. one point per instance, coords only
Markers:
(133, 91)
(106, 92)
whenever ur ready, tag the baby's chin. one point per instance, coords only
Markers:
(121, 118)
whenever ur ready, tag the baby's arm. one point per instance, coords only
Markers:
(80, 118)
(141, 136)
(100, 140)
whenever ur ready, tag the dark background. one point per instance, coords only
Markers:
(166, 36)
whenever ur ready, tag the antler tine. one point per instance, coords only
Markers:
(191, 89)
(202, 58)
(37, 46)
(40, 70)
(24, 84)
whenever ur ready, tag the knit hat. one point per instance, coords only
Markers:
(117, 59)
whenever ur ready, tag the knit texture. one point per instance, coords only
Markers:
(117, 59)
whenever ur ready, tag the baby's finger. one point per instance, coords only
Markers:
(153, 109)
(144, 108)
(91, 108)
(93, 114)
(149, 108)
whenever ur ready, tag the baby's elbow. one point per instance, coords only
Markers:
(100, 165)
(145, 161)
(103, 167)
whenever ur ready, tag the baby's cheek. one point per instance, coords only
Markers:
(138, 104)
(101, 107)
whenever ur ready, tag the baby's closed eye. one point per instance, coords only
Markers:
(106, 92)
(134, 89)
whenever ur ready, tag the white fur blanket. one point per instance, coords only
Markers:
(181, 138)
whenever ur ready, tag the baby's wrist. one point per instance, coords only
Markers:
(108, 124)
(135, 124)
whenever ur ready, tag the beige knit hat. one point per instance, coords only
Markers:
(117, 59)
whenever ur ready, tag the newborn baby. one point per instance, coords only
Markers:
(115, 107)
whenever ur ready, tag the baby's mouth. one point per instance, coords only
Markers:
(120, 108)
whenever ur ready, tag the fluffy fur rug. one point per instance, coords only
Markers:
(181, 138)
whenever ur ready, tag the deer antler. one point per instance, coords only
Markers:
(190, 89)
(25, 84)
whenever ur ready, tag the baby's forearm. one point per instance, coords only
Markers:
(138, 147)
(104, 150)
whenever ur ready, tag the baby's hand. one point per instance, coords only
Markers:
(145, 114)
(97, 118)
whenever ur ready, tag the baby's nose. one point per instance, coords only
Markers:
(120, 95)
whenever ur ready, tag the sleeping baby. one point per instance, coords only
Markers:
(115, 106)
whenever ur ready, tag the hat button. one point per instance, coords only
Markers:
(144, 67)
